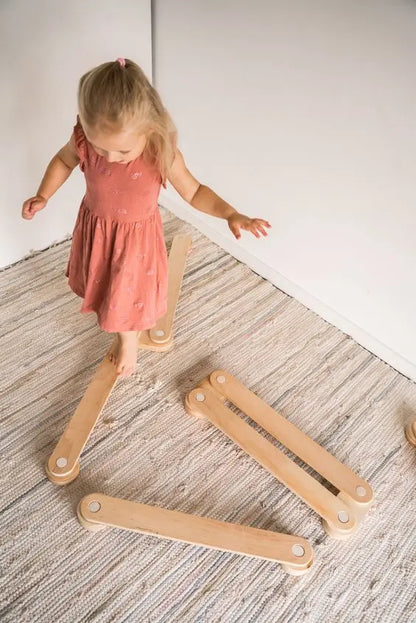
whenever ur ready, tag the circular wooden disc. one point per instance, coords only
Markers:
(62, 480)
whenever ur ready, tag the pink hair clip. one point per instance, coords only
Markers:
(122, 61)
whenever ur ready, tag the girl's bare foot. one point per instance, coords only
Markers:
(123, 353)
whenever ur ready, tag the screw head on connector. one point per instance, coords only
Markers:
(94, 506)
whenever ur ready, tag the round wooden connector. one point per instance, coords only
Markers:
(61, 479)
(218, 380)
(302, 559)
(159, 337)
(190, 409)
(297, 570)
(91, 526)
(218, 376)
(145, 342)
(411, 433)
(340, 531)
(347, 521)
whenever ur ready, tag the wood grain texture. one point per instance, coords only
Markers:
(196, 530)
(146, 448)
(63, 465)
(319, 498)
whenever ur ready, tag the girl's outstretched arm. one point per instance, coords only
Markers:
(204, 199)
(57, 172)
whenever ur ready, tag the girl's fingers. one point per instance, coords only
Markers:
(30, 207)
(261, 224)
(254, 228)
(260, 221)
(254, 231)
(254, 225)
(26, 211)
(235, 229)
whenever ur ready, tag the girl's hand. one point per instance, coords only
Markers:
(33, 205)
(239, 221)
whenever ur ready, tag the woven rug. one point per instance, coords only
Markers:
(146, 448)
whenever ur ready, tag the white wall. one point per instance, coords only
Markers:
(46, 46)
(304, 113)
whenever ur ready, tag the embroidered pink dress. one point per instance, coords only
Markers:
(118, 260)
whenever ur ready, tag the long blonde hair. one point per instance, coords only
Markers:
(119, 92)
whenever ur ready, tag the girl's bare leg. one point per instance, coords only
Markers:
(124, 353)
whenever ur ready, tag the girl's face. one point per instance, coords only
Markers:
(116, 146)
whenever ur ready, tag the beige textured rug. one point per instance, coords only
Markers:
(146, 448)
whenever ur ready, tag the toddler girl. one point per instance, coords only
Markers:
(125, 143)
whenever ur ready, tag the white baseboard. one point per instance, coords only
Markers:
(361, 336)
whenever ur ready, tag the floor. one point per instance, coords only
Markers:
(146, 448)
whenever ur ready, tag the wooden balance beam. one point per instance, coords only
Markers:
(62, 466)
(340, 513)
(411, 432)
(97, 511)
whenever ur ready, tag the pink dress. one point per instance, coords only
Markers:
(118, 260)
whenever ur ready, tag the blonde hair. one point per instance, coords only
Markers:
(118, 92)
